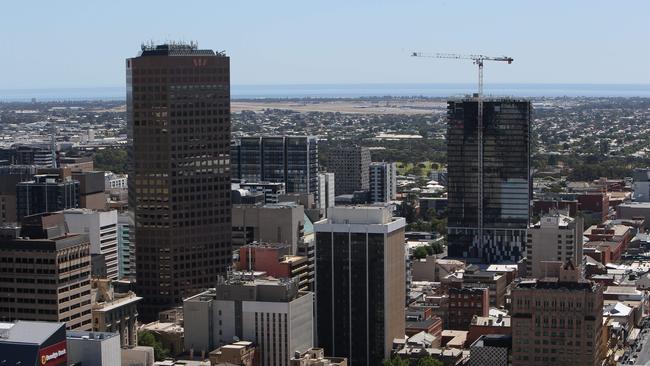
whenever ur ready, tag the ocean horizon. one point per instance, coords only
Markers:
(288, 91)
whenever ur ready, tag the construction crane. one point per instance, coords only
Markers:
(478, 60)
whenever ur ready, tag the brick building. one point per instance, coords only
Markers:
(464, 304)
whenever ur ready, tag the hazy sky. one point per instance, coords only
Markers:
(47, 44)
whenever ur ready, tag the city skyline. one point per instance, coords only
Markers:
(286, 183)
(294, 43)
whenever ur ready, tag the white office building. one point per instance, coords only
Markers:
(383, 181)
(326, 190)
(101, 227)
(551, 242)
(270, 312)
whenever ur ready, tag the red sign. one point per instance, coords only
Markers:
(53, 355)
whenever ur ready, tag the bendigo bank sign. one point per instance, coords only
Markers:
(53, 355)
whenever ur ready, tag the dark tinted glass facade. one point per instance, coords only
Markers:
(291, 160)
(46, 195)
(350, 295)
(506, 179)
(178, 108)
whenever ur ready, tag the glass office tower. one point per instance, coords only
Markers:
(178, 112)
(506, 179)
(292, 160)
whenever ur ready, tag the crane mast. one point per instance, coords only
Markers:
(478, 60)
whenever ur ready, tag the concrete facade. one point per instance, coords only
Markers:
(631, 210)
(277, 261)
(360, 282)
(94, 348)
(238, 353)
(350, 165)
(45, 273)
(101, 228)
(326, 191)
(558, 321)
(272, 313)
(555, 238)
(115, 312)
(277, 223)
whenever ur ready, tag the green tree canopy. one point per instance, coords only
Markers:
(421, 252)
(395, 361)
(436, 247)
(146, 338)
(113, 160)
(428, 361)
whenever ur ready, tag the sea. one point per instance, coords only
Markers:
(290, 91)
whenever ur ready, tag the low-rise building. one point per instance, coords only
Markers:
(495, 282)
(316, 357)
(170, 335)
(417, 321)
(619, 234)
(138, 356)
(93, 348)
(491, 350)
(484, 325)
(464, 304)
(241, 353)
(272, 313)
(29, 342)
(433, 268)
(631, 210)
(115, 312)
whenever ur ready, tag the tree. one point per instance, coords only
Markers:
(436, 247)
(113, 160)
(421, 252)
(146, 338)
(428, 361)
(439, 225)
(395, 361)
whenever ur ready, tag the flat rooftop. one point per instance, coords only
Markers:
(90, 336)
(33, 332)
(176, 49)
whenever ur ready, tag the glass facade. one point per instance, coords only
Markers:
(506, 179)
(46, 195)
(291, 160)
(350, 301)
(178, 112)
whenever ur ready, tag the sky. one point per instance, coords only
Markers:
(70, 43)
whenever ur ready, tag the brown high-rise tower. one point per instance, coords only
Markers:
(178, 110)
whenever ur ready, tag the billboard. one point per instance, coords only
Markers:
(53, 355)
